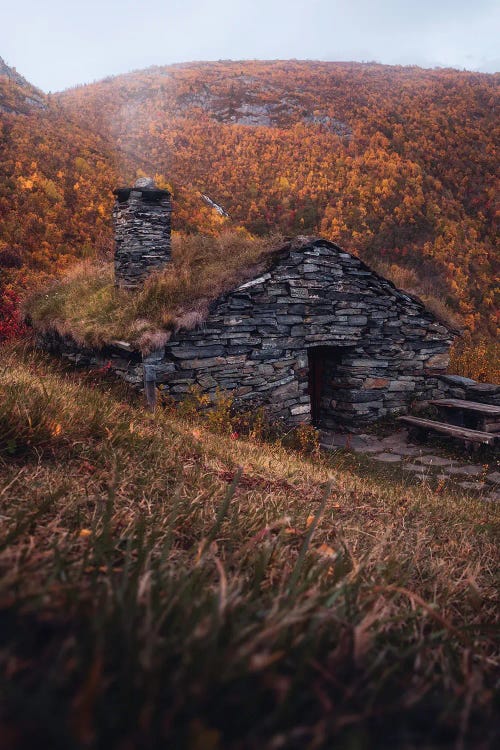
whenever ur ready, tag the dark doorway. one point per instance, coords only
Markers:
(323, 372)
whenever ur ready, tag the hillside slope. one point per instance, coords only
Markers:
(166, 586)
(55, 181)
(396, 164)
(17, 95)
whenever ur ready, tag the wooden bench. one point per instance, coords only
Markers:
(469, 414)
(462, 433)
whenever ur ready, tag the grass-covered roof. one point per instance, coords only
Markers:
(86, 305)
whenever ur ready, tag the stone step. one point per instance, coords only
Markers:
(474, 406)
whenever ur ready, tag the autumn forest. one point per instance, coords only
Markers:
(396, 164)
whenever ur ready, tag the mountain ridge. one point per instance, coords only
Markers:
(23, 94)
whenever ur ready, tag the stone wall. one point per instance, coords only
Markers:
(456, 386)
(118, 357)
(142, 216)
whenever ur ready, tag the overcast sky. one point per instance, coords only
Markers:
(60, 43)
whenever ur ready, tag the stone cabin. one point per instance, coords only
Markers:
(317, 338)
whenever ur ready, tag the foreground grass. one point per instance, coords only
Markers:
(162, 586)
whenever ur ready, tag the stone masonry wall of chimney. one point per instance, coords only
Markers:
(142, 216)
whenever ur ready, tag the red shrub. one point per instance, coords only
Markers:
(11, 324)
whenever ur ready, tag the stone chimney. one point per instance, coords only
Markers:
(141, 216)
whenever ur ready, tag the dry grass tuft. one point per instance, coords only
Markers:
(424, 288)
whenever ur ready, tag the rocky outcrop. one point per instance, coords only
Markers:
(27, 96)
(12, 74)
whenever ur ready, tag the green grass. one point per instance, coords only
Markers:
(165, 586)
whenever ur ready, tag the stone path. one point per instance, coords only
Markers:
(423, 462)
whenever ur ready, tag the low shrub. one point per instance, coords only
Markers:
(222, 417)
(11, 323)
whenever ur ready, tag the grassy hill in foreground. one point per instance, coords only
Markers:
(163, 585)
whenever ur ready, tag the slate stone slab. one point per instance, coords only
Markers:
(388, 458)
(434, 461)
(472, 486)
(417, 468)
(469, 470)
(408, 450)
(457, 380)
